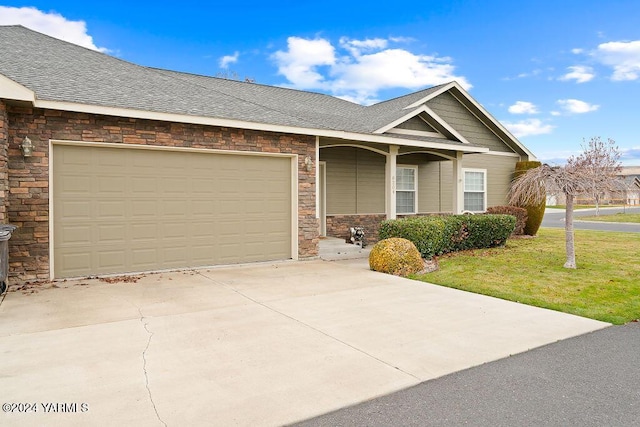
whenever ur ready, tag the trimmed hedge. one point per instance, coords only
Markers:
(519, 213)
(437, 235)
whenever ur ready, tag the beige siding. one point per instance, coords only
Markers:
(468, 125)
(370, 184)
(446, 186)
(355, 181)
(499, 174)
(341, 179)
(416, 123)
(429, 187)
(435, 185)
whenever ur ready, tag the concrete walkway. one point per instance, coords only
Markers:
(265, 344)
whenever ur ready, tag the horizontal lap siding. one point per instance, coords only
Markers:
(499, 174)
(463, 121)
(355, 181)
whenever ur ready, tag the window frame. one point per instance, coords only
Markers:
(415, 189)
(484, 186)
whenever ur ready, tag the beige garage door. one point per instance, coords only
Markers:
(121, 210)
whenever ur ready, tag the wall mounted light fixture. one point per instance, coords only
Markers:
(308, 163)
(27, 147)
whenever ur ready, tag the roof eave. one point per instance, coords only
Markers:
(214, 121)
(12, 90)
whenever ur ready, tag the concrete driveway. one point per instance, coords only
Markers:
(266, 344)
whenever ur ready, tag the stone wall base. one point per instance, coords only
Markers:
(338, 225)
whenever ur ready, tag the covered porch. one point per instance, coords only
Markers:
(362, 184)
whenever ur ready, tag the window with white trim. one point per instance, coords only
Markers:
(406, 189)
(475, 190)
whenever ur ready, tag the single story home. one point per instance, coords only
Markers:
(110, 167)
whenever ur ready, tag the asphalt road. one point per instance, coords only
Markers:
(589, 380)
(555, 218)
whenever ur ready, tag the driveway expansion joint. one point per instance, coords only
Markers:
(268, 307)
(144, 365)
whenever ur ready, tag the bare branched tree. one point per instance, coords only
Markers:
(600, 162)
(580, 175)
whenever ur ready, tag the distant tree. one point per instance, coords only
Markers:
(232, 75)
(587, 172)
(601, 164)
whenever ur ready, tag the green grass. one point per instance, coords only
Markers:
(619, 217)
(605, 286)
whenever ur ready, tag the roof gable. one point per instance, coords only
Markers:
(469, 115)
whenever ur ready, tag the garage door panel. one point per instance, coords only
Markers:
(110, 259)
(76, 264)
(171, 187)
(124, 210)
(76, 185)
(111, 209)
(141, 209)
(143, 232)
(143, 185)
(76, 235)
(115, 186)
(112, 233)
(75, 210)
(203, 208)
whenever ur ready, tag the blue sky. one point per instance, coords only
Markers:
(556, 73)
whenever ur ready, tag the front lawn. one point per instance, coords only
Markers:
(619, 217)
(529, 270)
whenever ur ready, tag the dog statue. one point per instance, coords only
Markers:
(356, 236)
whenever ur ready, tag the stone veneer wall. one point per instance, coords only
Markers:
(338, 225)
(27, 204)
(4, 183)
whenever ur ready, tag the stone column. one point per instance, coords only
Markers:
(4, 172)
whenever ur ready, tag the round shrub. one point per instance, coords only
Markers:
(396, 256)
(535, 213)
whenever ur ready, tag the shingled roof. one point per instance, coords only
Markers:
(58, 71)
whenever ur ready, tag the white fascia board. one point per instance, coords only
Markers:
(10, 89)
(445, 125)
(422, 108)
(213, 121)
(431, 95)
(400, 120)
(412, 132)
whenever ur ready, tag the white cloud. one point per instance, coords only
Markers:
(631, 155)
(623, 57)
(575, 106)
(579, 73)
(358, 69)
(356, 47)
(52, 24)
(577, 51)
(229, 59)
(528, 127)
(299, 64)
(523, 107)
